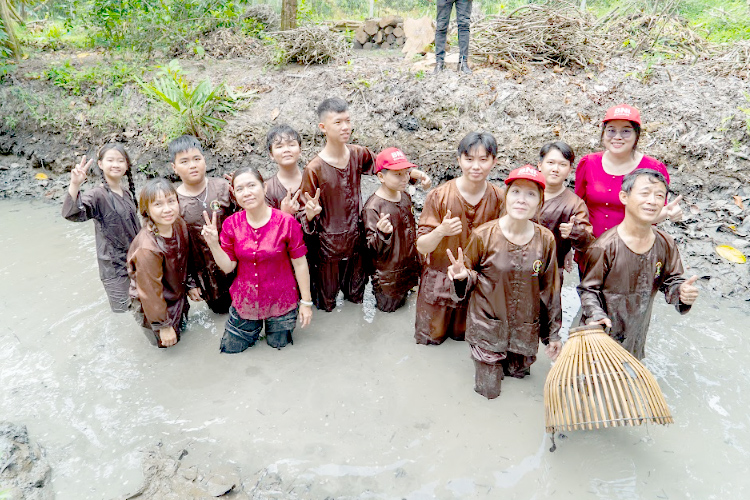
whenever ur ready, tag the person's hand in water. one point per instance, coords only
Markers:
(195, 294)
(457, 270)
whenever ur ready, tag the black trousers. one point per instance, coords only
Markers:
(463, 18)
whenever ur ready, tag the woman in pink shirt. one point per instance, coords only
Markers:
(599, 175)
(266, 248)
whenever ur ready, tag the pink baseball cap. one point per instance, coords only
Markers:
(392, 159)
(623, 112)
(529, 173)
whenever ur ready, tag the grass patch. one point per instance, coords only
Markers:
(109, 76)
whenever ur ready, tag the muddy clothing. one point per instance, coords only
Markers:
(559, 210)
(335, 238)
(394, 256)
(275, 192)
(515, 299)
(213, 283)
(158, 278)
(115, 225)
(620, 284)
(438, 316)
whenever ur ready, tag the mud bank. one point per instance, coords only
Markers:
(353, 410)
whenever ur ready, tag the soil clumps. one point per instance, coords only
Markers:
(24, 471)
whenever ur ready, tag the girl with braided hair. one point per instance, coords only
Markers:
(115, 216)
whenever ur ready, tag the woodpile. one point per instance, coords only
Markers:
(308, 44)
(384, 33)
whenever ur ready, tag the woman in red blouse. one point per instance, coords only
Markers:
(266, 248)
(599, 175)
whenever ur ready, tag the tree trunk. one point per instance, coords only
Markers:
(6, 13)
(288, 15)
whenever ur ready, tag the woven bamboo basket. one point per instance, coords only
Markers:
(595, 383)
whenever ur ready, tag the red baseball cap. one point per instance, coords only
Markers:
(528, 172)
(623, 112)
(392, 159)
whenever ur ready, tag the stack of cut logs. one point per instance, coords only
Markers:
(384, 33)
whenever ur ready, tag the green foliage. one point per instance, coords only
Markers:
(419, 75)
(5, 45)
(110, 76)
(195, 110)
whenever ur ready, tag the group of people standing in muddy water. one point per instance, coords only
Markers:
(488, 260)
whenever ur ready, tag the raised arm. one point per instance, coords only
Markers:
(211, 235)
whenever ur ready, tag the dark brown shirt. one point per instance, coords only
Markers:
(203, 268)
(394, 255)
(559, 210)
(515, 300)
(621, 285)
(339, 226)
(434, 283)
(275, 192)
(158, 273)
(115, 225)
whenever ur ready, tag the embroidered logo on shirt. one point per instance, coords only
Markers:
(537, 267)
(659, 265)
(215, 205)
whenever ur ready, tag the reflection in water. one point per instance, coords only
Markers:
(354, 409)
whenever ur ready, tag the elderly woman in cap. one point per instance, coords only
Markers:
(510, 269)
(599, 175)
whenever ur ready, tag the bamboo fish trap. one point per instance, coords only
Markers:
(596, 383)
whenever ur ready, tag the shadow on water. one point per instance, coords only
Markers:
(354, 409)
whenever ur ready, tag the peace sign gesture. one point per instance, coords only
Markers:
(210, 231)
(290, 204)
(457, 270)
(384, 224)
(78, 174)
(312, 205)
(674, 210)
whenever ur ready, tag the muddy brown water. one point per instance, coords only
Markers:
(354, 409)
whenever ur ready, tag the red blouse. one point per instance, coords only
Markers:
(601, 191)
(265, 285)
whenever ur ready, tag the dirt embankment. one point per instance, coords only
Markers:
(694, 122)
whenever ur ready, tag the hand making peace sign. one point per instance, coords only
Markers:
(457, 270)
(312, 205)
(210, 231)
(78, 174)
(290, 204)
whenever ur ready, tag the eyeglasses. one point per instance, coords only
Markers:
(624, 133)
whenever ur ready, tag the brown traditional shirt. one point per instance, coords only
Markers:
(115, 225)
(515, 300)
(434, 283)
(394, 255)
(339, 226)
(158, 273)
(275, 192)
(621, 285)
(559, 210)
(203, 268)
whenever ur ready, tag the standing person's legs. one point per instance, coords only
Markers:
(463, 19)
(279, 329)
(353, 277)
(325, 276)
(444, 8)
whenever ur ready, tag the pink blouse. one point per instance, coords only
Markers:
(265, 286)
(601, 191)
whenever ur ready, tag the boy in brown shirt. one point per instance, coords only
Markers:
(450, 213)
(391, 232)
(197, 194)
(333, 209)
(628, 264)
(283, 189)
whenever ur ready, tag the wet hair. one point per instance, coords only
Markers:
(182, 144)
(332, 105)
(128, 172)
(149, 192)
(280, 133)
(636, 130)
(562, 147)
(653, 175)
(247, 170)
(474, 139)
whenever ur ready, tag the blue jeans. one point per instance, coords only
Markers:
(463, 19)
(239, 334)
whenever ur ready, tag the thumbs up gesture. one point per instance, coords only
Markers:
(688, 291)
(384, 224)
(450, 226)
(457, 269)
(567, 227)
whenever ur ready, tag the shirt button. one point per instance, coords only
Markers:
(607, 204)
(606, 215)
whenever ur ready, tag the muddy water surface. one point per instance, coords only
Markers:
(354, 409)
